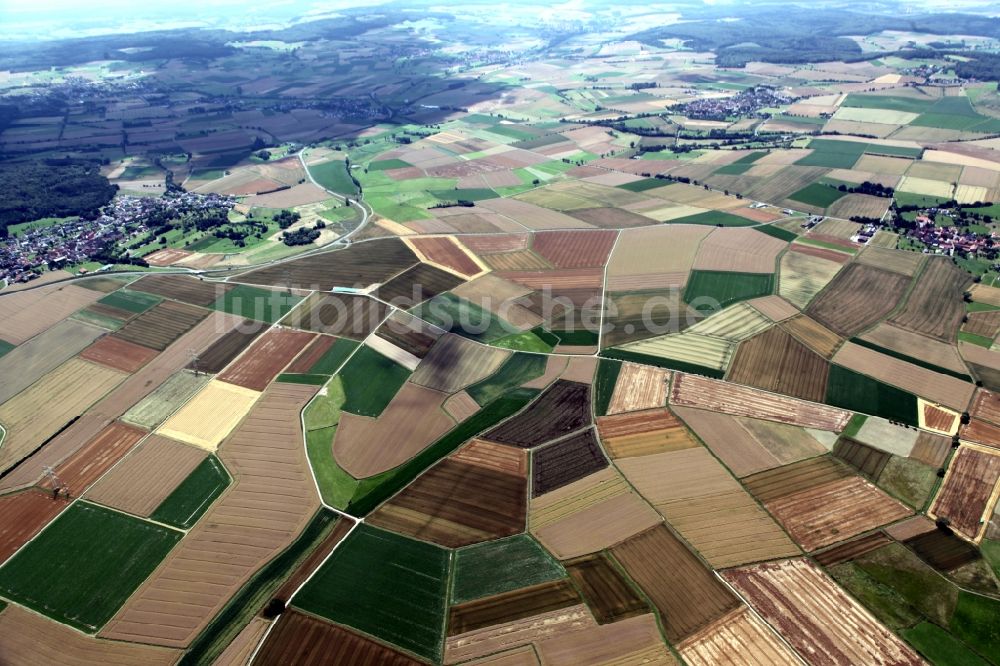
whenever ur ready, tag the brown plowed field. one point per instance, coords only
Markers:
(455, 362)
(986, 324)
(182, 288)
(986, 406)
(607, 593)
(739, 639)
(235, 537)
(917, 346)
(821, 621)
(775, 361)
(931, 449)
(511, 606)
(228, 347)
(814, 335)
(700, 499)
(118, 354)
(239, 651)
(639, 387)
(144, 479)
(315, 559)
(856, 298)
(495, 244)
(493, 456)
(558, 280)
(446, 251)
(413, 420)
(561, 409)
(312, 353)
(936, 387)
(417, 284)
(30, 639)
(304, 640)
(25, 314)
(939, 419)
(359, 265)
(22, 516)
(686, 593)
(266, 358)
(911, 527)
(636, 640)
(26, 363)
(408, 333)
(943, 551)
(851, 549)
(865, 459)
(935, 306)
(518, 260)
(456, 503)
(777, 483)
(492, 640)
(96, 457)
(738, 249)
(342, 315)
(834, 511)
(163, 324)
(612, 218)
(982, 432)
(897, 261)
(967, 493)
(168, 256)
(574, 249)
(696, 391)
(566, 461)
(50, 404)
(774, 307)
(820, 253)
(118, 401)
(643, 433)
(742, 452)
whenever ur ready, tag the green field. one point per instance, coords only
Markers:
(324, 410)
(386, 165)
(854, 425)
(5, 347)
(580, 337)
(976, 622)
(526, 341)
(851, 390)
(956, 113)
(777, 232)
(516, 370)
(464, 318)
(974, 339)
(131, 301)
(183, 507)
(722, 288)
(740, 166)
(302, 378)
(85, 564)
(715, 218)
(661, 362)
(893, 103)
(644, 184)
(263, 305)
(370, 382)
(833, 153)
(922, 200)
(331, 361)
(604, 384)
(817, 195)
(940, 647)
(500, 566)
(333, 176)
(467, 194)
(385, 585)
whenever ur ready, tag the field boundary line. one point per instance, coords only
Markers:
(604, 292)
(262, 640)
(759, 617)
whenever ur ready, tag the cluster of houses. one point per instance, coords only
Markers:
(949, 239)
(743, 104)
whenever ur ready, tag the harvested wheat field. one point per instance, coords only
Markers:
(633, 641)
(51, 403)
(897, 261)
(589, 515)
(814, 335)
(643, 433)
(739, 249)
(517, 632)
(918, 346)
(638, 255)
(413, 420)
(639, 387)
(118, 354)
(147, 476)
(775, 361)
(985, 324)
(696, 391)
(454, 363)
(734, 323)
(154, 409)
(935, 386)
(709, 508)
(161, 325)
(686, 593)
(183, 288)
(986, 406)
(265, 358)
(211, 415)
(738, 639)
(969, 491)
(513, 605)
(935, 306)
(31, 639)
(22, 516)
(857, 298)
(773, 307)
(742, 453)
(25, 364)
(801, 276)
(821, 622)
(457, 503)
(981, 293)
(25, 314)
(688, 348)
(233, 539)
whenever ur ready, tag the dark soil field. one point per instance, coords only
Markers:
(301, 639)
(456, 504)
(607, 593)
(161, 325)
(23, 515)
(935, 307)
(626, 321)
(455, 362)
(182, 288)
(856, 298)
(686, 593)
(861, 457)
(359, 265)
(564, 462)
(511, 606)
(408, 333)
(965, 495)
(228, 347)
(574, 249)
(782, 481)
(341, 315)
(416, 285)
(775, 361)
(561, 409)
(943, 551)
(118, 354)
(268, 356)
(851, 549)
